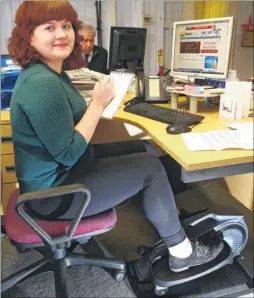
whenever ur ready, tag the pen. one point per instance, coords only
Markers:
(95, 79)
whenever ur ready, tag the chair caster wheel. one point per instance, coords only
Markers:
(118, 275)
(160, 291)
(142, 250)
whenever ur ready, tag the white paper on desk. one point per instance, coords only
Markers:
(235, 102)
(227, 139)
(122, 82)
(246, 127)
(218, 140)
(199, 141)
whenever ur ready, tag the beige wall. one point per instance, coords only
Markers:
(243, 58)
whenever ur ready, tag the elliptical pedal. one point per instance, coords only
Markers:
(164, 278)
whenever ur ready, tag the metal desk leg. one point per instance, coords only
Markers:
(174, 101)
(218, 172)
(193, 104)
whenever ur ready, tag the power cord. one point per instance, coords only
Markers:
(120, 206)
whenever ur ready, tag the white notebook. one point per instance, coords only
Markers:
(122, 82)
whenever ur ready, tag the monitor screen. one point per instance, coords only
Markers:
(126, 44)
(201, 48)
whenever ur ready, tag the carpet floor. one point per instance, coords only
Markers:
(131, 230)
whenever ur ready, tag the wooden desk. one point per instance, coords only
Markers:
(199, 165)
(5, 117)
(196, 166)
(8, 179)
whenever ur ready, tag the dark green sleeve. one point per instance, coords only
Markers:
(50, 114)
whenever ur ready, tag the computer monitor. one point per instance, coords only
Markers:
(201, 48)
(126, 48)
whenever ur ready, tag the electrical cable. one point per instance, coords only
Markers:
(124, 205)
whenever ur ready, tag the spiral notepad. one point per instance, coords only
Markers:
(122, 82)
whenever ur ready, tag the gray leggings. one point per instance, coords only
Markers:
(115, 179)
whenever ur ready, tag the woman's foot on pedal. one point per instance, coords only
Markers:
(202, 254)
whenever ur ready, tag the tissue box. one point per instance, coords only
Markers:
(190, 88)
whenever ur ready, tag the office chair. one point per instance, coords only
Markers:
(56, 239)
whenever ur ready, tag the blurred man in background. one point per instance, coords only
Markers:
(95, 57)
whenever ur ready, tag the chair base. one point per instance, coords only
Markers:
(59, 266)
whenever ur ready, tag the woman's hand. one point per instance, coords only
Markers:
(102, 95)
(103, 92)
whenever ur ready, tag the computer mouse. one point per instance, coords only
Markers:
(177, 128)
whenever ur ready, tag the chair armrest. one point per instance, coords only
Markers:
(50, 193)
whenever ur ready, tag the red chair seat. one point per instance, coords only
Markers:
(19, 231)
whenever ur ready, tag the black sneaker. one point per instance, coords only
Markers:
(202, 254)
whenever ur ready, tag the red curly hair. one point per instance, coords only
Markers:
(29, 15)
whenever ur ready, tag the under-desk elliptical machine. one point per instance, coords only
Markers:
(150, 275)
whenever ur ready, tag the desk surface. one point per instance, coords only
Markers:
(174, 144)
(5, 117)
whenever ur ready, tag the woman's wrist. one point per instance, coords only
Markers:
(97, 106)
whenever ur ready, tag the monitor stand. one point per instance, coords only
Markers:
(200, 82)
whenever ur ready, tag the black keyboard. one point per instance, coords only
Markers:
(161, 114)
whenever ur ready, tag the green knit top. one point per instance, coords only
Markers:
(45, 107)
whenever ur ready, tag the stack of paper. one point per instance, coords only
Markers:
(85, 93)
(84, 79)
(241, 137)
(84, 74)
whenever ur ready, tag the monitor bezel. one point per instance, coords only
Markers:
(111, 30)
(229, 42)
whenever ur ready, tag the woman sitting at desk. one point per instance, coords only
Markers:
(52, 128)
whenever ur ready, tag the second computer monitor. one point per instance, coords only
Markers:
(201, 48)
(126, 47)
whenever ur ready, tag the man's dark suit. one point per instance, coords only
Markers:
(99, 60)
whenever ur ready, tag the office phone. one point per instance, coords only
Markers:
(151, 88)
